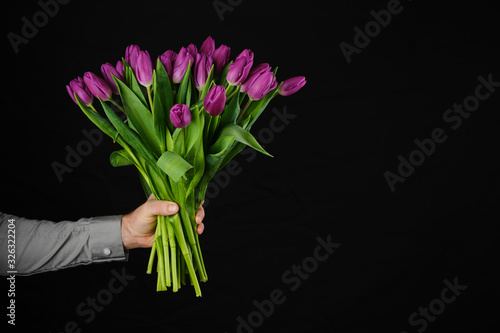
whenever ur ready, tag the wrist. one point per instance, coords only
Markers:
(129, 240)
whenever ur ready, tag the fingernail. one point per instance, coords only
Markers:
(172, 208)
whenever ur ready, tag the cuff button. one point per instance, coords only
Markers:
(106, 251)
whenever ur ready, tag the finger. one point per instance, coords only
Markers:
(151, 197)
(162, 207)
(200, 215)
(200, 228)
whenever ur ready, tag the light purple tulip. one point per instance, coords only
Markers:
(120, 68)
(208, 46)
(192, 49)
(181, 63)
(263, 84)
(292, 85)
(77, 86)
(215, 100)
(97, 86)
(254, 73)
(180, 115)
(239, 69)
(167, 59)
(144, 69)
(107, 69)
(202, 67)
(221, 58)
(131, 53)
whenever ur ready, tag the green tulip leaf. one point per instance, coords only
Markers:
(120, 158)
(139, 116)
(173, 165)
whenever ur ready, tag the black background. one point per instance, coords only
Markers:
(352, 122)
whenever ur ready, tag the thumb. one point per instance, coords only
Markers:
(161, 207)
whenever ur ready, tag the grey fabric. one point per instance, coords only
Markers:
(42, 246)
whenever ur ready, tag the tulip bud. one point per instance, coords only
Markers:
(120, 68)
(97, 86)
(167, 59)
(131, 53)
(77, 86)
(239, 69)
(202, 68)
(221, 58)
(264, 83)
(180, 115)
(215, 100)
(254, 73)
(208, 46)
(192, 49)
(291, 85)
(144, 69)
(107, 69)
(181, 63)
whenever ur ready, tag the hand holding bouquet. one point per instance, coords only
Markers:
(179, 123)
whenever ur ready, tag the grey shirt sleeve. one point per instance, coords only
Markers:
(42, 246)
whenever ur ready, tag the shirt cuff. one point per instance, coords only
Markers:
(106, 239)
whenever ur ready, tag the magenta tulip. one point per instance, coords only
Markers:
(202, 68)
(120, 68)
(254, 73)
(180, 115)
(221, 58)
(77, 86)
(144, 69)
(239, 69)
(181, 63)
(167, 59)
(291, 85)
(107, 71)
(215, 100)
(263, 84)
(208, 46)
(97, 86)
(131, 53)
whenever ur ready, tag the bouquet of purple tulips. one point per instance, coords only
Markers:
(179, 124)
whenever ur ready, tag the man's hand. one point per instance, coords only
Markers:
(138, 227)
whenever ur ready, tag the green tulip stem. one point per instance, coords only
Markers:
(149, 89)
(117, 105)
(92, 107)
(244, 109)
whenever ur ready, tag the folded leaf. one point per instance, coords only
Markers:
(120, 158)
(243, 136)
(173, 165)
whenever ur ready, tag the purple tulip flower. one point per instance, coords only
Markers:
(97, 86)
(202, 68)
(254, 73)
(221, 58)
(181, 63)
(215, 100)
(263, 84)
(77, 86)
(107, 69)
(239, 69)
(292, 85)
(144, 69)
(180, 115)
(167, 59)
(131, 53)
(120, 68)
(208, 46)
